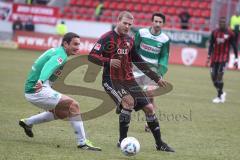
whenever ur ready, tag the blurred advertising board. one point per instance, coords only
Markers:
(193, 56)
(38, 14)
(42, 41)
(184, 55)
(193, 38)
(186, 37)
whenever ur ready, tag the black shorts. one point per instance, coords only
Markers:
(118, 89)
(218, 67)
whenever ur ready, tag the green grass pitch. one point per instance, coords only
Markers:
(190, 123)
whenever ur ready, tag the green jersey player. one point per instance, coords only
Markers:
(38, 91)
(153, 46)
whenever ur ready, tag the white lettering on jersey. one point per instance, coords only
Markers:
(122, 51)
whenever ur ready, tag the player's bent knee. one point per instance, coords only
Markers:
(74, 109)
(60, 112)
(128, 102)
(149, 109)
(66, 108)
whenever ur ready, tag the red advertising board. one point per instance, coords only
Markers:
(39, 14)
(189, 56)
(41, 41)
(192, 56)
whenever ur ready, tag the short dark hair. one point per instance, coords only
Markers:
(159, 15)
(68, 37)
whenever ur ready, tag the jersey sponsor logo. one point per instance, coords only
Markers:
(220, 40)
(122, 51)
(60, 60)
(97, 46)
(149, 48)
(189, 56)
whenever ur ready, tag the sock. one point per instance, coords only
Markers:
(40, 118)
(124, 120)
(220, 88)
(215, 84)
(153, 124)
(78, 127)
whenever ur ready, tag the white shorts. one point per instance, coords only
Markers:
(46, 99)
(146, 83)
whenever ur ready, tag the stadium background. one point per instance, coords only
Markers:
(207, 132)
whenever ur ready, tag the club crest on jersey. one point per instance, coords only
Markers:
(60, 60)
(97, 46)
(225, 36)
(122, 51)
(128, 44)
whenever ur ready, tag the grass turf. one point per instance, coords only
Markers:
(190, 123)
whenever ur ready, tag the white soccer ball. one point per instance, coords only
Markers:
(130, 146)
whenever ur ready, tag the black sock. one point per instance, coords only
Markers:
(124, 120)
(215, 85)
(220, 88)
(153, 124)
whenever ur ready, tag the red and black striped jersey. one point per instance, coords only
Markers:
(113, 46)
(220, 45)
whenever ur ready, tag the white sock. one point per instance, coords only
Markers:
(77, 125)
(40, 118)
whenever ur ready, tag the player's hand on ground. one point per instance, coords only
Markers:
(38, 86)
(236, 63)
(162, 82)
(116, 63)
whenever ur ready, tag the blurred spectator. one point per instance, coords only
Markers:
(184, 18)
(29, 26)
(99, 10)
(235, 25)
(29, 2)
(61, 28)
(17, 25)
(42, 2)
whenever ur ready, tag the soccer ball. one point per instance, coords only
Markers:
(130, 146)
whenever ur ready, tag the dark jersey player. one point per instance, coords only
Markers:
(115, 51)
(218, 55)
